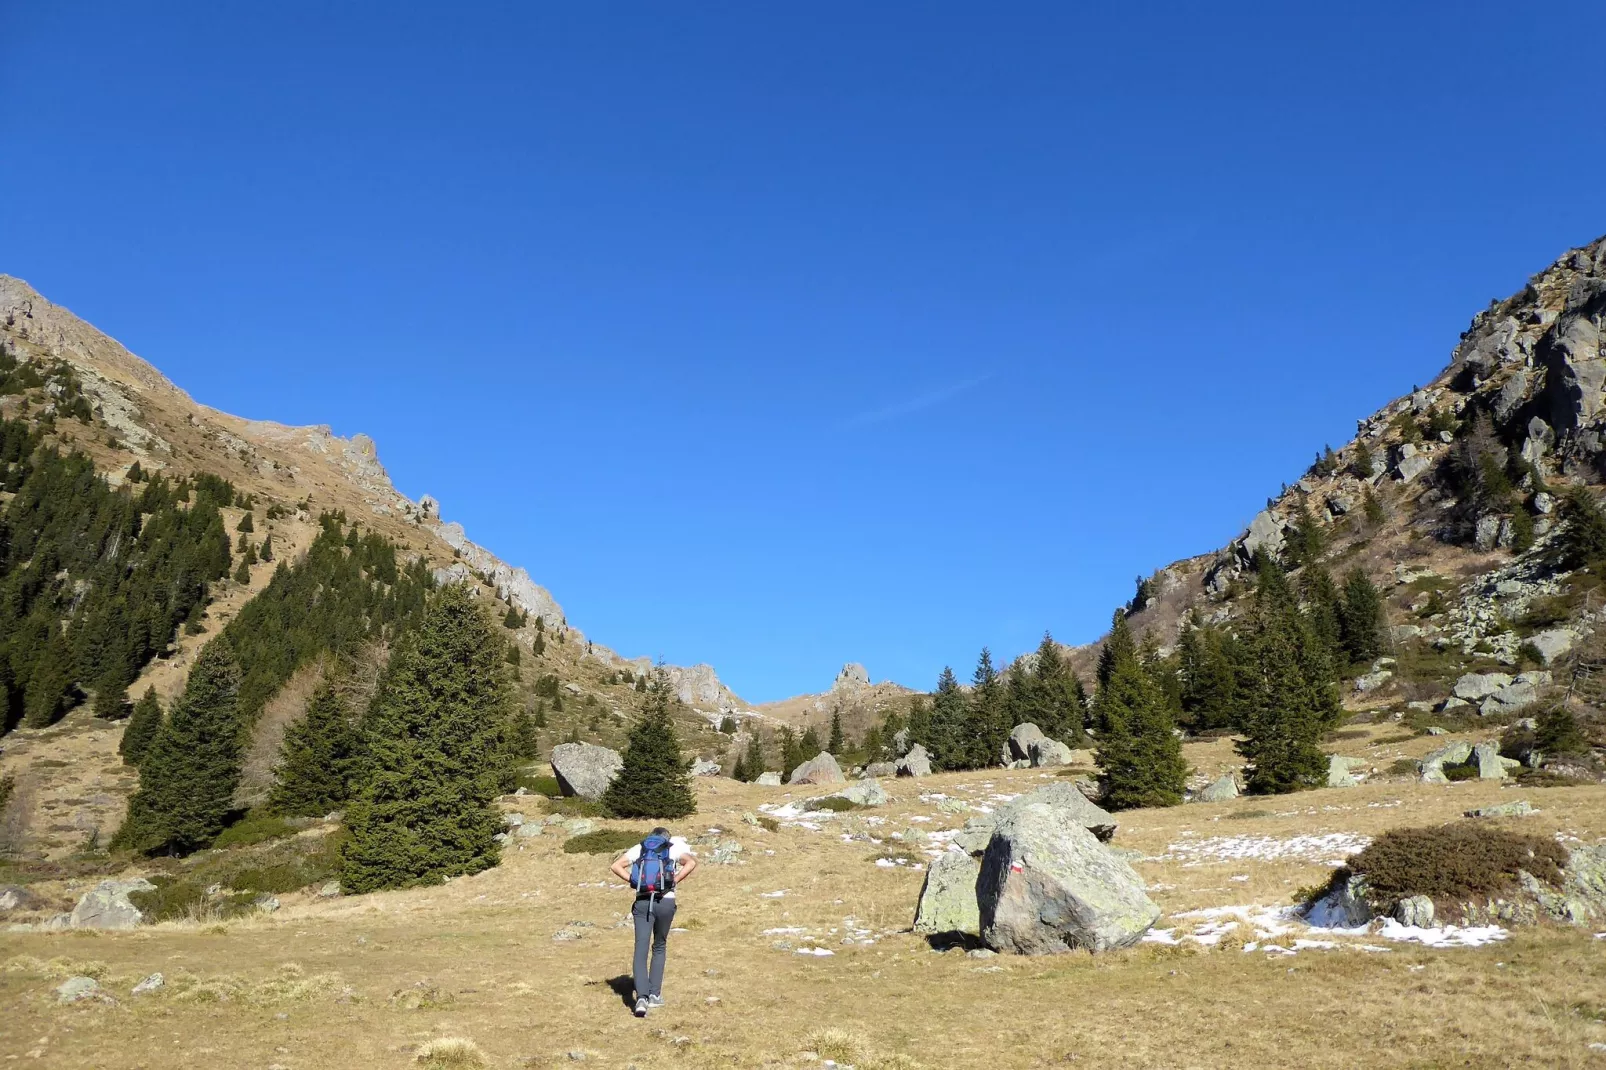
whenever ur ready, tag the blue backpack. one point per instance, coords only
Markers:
(654, 872)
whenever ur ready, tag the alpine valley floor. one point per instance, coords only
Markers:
(799, 952)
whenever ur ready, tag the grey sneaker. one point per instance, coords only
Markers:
(641, 1008)
(655, 1001)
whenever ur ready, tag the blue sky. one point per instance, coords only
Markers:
(777, 336)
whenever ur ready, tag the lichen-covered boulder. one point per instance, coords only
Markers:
(106, 906)
(861, 793)
(948, 898)
(769, 780)
(1018, 748)
(916, 763)
(1069, 799)
(1454, 754)
(1340, 771)
(1416, 910)
(1047, 885)
(1049, 754)
(1219, 790)
(821, 769)
(585, 769)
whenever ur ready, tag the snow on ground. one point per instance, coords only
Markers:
(1271, 923)
(1330, 848)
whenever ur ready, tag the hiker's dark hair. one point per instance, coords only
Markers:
(660, 831)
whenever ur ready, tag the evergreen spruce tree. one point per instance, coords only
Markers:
(246, 525)
(987, 725)
(1139, 755)
(525, 739)
(141, 729)
(50, 682)
(809, 745)
(1558, 733)
(1118, 646)
(317, 759)
(728, 725)
(435, 757)
(242, 574)
(754, 759)
(511, 620)
(739, 768)
(266, 553)
(1324, 612)
(188, 774)
(1307, 541)
(919, 725)
(948, 724)
(653, 781)
(1361, 617)
(1289, 696)
(836, 745)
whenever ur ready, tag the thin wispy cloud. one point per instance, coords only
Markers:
(909, 406)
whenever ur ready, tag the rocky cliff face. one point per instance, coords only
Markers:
(1527, 380)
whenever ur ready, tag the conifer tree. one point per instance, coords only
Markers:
(435, 757)
(1289, 697)
(1307, 540)
(653, 780)
(986, 726)
(1361, 618)
(50, 682)
(1118, 645)
(754, 759)
(739, 769)
(242, 574)
(511, 619)
(1139, 755)
(188, 774)
(266, 553)
(317, 760)
(1558, 733)
(809, 745)
(919, 725)
(948, 724)
(1324, 611)
(836, 745)
(141, 729)
(246, 524)
(111, 694)
(525, 739)
(728, 725)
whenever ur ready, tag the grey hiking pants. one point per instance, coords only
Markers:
(653, 917)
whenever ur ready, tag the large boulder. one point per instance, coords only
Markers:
(769, 780)
(1050, 754)
(106, 906)
(948, 898)
(1553, 643)
(916, 763)
(860, 793)
(879, 769)
(821, 769)
(1047, 885)
(1340, 771)
(1477, 686)
(1219, 790)
(1491, 766)
(704, 767)
(1069, 800)
(1432, 767)
(1522, 692)
(15, 897)
(1018, 748)
(585, 769)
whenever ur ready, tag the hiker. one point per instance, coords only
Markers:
(654, 867)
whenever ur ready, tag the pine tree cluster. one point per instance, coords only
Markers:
(94, 581)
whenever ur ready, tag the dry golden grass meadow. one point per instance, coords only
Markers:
(469, 973)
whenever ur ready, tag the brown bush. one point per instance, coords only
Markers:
(1451, 864)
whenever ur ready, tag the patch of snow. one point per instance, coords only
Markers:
(774, 895)
(1443, 935)
(1314, 848)
(820, 952)
(784, 930)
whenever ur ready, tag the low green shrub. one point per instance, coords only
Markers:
(835, 804)
(254, 828)
(768, 824)
(1244, 815)
(574, 806)
(1451, 864)
(603, 842)
(178, 899)
(1464, 771)
(1403, 767)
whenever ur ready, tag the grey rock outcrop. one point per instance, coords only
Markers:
(1069, 800)
(860, 793)
(1221, 789)
(79, 989)
(948, 897)
(1047, 885)
(1373, 680)
(1018, 748)
(1475, 686)
(879, 769)
(1553, 643)
(1519, 808)
(704, 767)
(916, 763)
(821, 769)
(585, 769)
(769, 780)
(1414, 910)
(14, 897)
(1342, 906)
(1050, 754)
(106, 906)
(1432, 766)
(853, 677)
(1491, 766)
(152, 983)
(1340, 771)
